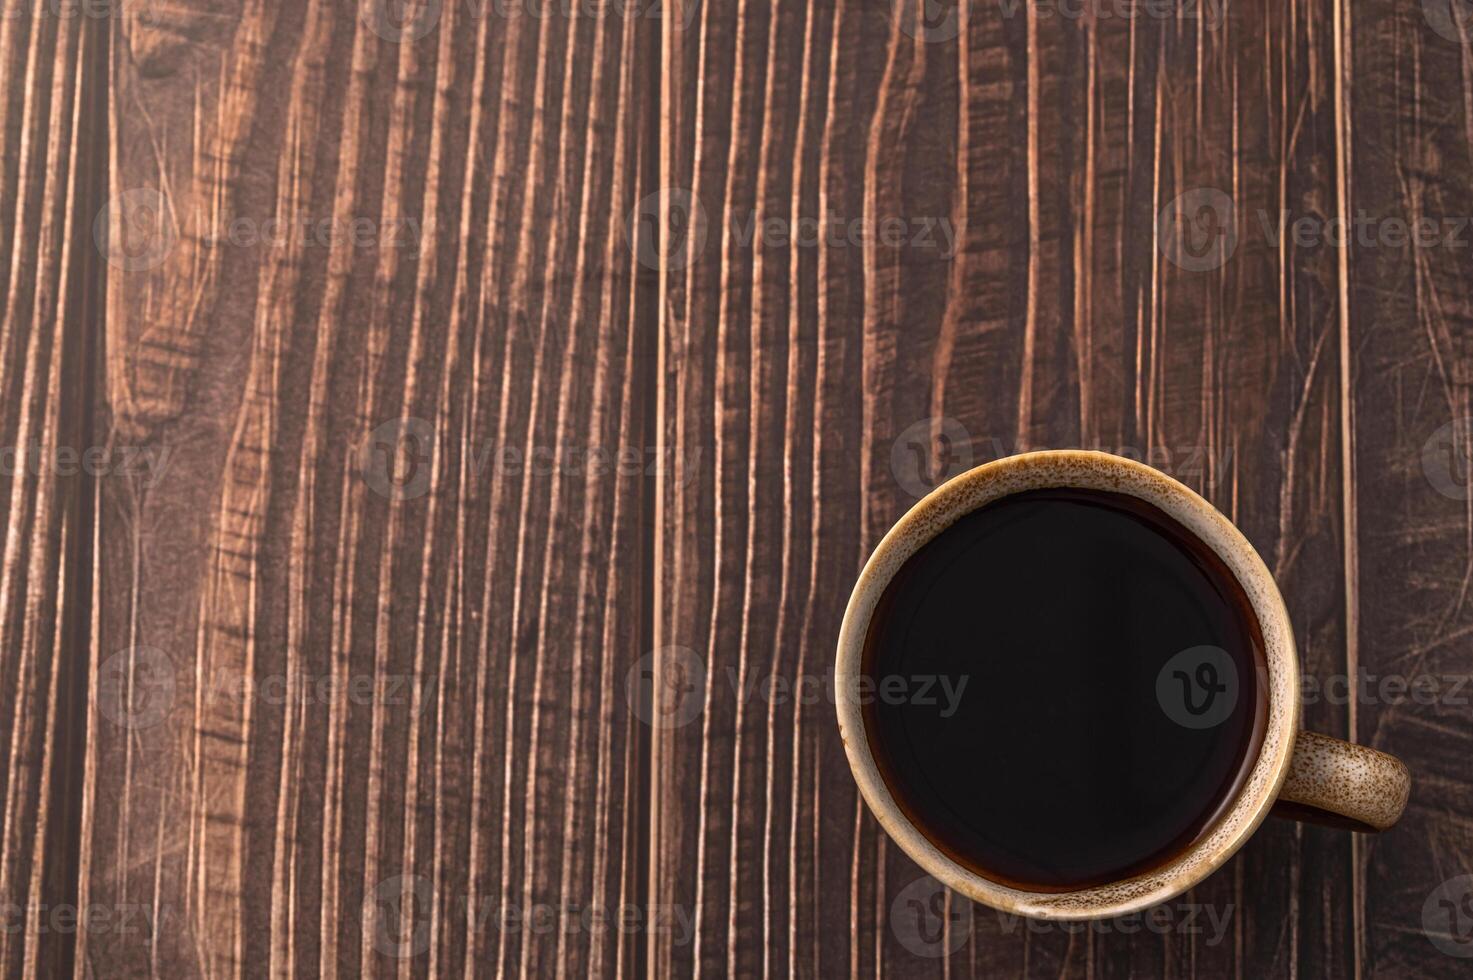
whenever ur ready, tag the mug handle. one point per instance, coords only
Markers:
(1340, 784)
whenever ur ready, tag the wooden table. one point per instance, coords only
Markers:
(490, 411)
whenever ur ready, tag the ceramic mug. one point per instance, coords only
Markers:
(1299, 774)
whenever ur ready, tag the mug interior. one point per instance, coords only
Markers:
(1090, 471)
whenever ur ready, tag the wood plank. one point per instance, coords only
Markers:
(829, 386)
(1412, 184)
(384, 674)
(384, 597)
(50, 167)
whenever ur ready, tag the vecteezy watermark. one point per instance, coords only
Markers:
(401, 21)
(311, 231)
(933, 21)
(138, 687)
(1198, 229)
(930, 451)
(135, 688)
(410, 20)
(666, 688)
(61, 9)
(669, 229)
(136, 230)
(938, 21)
(146, 463)
(1447, 917)
(143, 12)
(1167, 919)
(396, 458)
(317, 690)
(580, 918)
(1210, 12)
(1452, 19)
(1366, 688)
(1198, 687)
(398, 913)
(1447, 459)
(1363, 230)
(930, 234)
(928, 920)
(940, 691)
(97, 918)
(139, 228)
(568, 460)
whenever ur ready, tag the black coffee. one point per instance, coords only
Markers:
(1064, 689)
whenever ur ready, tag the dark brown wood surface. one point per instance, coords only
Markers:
(494, 404)
(50, 169)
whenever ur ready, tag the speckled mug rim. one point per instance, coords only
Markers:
(1085, 469)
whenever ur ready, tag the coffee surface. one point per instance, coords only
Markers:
(1063, 689)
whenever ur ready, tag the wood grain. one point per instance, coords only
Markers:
(1409, 157)
(49, 172)
(498, 401)
(390, 633)
(831, 385)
